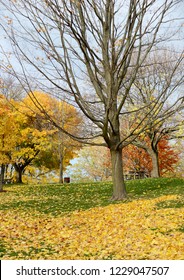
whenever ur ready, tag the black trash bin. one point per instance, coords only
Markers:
(66, 179)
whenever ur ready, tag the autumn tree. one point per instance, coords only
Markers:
(62, 147)
(6, 143)
(32, 136)
(139, 160)
(102, 42)
(9, 89)
(28, 138)
(8, 136)
(40, 143)
(136, 160)
(168, 157)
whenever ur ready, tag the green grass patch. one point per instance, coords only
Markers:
(2, 249)
(170, 204)
(181, 228)
(150, 188)
(57, 199)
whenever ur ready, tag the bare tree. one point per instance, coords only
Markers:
(159, 88)
(68, 42)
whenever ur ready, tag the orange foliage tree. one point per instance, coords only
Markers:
(168, 157)
(138, 160)
(93, 163)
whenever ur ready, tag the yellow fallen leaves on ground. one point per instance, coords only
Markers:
(132, 230)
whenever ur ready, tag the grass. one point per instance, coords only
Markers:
(59, 199)
(27, 208)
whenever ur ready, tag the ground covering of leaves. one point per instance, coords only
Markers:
(78, 222)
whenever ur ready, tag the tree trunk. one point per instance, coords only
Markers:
(19, 176)
(2, 177)
(60, 165)
(61, 170)
(1, 183)
(155, 173)
(119, 189)
(19, 172)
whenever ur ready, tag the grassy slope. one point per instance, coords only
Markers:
(57, 199)
(45, 208)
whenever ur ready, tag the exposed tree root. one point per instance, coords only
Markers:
(119, 198)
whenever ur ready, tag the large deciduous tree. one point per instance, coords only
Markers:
(31, 137)
(104, 43)
(38, 138)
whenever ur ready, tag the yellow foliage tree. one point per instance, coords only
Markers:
(27, 137)
(56, 154)
(8, 125)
